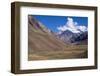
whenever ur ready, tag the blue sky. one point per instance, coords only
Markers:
(52, 22)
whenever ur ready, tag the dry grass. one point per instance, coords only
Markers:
(74, 51)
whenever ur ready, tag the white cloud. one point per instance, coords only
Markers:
(72, 26)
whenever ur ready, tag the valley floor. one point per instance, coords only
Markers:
(70, 52)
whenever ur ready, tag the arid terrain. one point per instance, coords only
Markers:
(44, 45)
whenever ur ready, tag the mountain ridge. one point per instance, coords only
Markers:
(73, 38)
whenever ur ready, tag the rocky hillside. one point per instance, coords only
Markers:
(40, 38)
(73, 38)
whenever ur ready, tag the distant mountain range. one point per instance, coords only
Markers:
(70, 37)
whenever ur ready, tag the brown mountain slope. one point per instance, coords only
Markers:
(40, 39)
(42, 44)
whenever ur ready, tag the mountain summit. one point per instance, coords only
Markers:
(72, 33)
